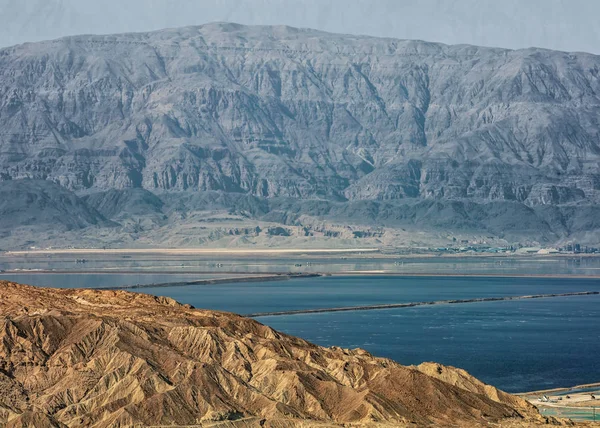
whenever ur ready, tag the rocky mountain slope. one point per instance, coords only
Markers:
(40, 204)
(113, 358)
(280, 112)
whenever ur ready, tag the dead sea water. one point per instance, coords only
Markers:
(515, 345)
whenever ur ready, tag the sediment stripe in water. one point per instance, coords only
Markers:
(414, 304)
(213, 281)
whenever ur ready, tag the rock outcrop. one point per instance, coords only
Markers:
(113, 358)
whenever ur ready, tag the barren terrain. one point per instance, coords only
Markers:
(114, 358)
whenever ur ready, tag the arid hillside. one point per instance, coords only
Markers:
(114, 358)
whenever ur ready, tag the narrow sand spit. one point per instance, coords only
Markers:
(194, 251)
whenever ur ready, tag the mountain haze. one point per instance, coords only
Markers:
(499, 141)
(567, 25)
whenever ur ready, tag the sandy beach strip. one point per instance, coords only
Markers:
(459, 274)
(555, 390)
(195, 251)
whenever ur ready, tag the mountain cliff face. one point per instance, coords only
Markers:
(285, 112)
(277, 111)
(41, 204)
(104, 358)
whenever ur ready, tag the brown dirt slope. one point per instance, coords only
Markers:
(114, 358)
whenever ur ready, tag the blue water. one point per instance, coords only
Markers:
(218, 263)
(94, 280)
(516, 345)
(326, 292)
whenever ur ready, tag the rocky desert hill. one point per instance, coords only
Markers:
(114, 358)
(387, 133)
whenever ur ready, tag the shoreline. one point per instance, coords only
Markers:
(578, 403)
(325, 274)
(383, 253)
(193, 251)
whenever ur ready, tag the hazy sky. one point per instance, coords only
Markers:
(557, 24)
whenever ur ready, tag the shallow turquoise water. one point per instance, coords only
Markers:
(575, 414)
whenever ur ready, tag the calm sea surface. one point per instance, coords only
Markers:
(516, 345)
(95, 280)
(218, 264)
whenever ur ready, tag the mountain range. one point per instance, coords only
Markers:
(314, 131)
